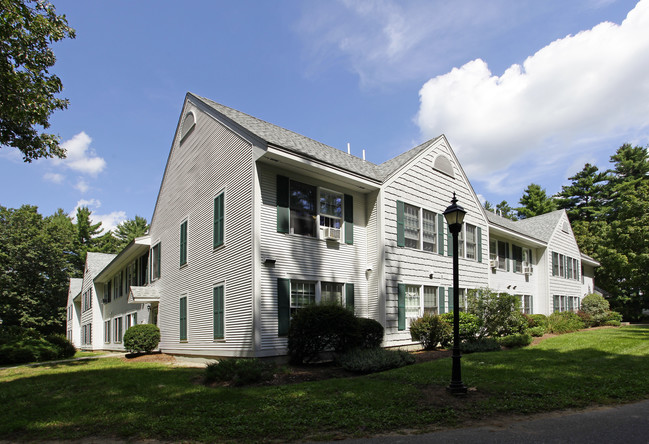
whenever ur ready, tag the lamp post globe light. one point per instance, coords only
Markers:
(454, 216)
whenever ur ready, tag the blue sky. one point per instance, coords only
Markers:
(525, 91)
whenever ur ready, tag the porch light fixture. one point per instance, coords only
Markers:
(454, 216)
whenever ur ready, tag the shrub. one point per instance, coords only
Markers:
(318, 328)
(564, 322)
(614, 316)
(540, 320)
(431, 330)
(499, 313)
(469, 325)
(585, 318)
(65, 348)
(597, 307)
(141, 338)
(480, 345)
(536, 331)
(613, 323)
(371, 360)
(515, 340)
(239, 371)
(371, 332)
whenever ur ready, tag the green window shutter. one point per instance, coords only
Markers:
(135, 318)
(401, 236)
(479, 244)
(507, 255)
(183, 319)
(283, 306)
(440, 233)
(183, 243)
(349, 296)
(442, 305)
(554, 264)
(283, 212)
(401, 306)
(349, 219)
(158, 253)
(449, 248)
(219, 324)
(450, 299)
(219, 220)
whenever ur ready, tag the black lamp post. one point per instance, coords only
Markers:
(454, 216)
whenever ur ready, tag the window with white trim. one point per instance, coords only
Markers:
(302, 295)
(331, 213)
(155, 261)
(117, 330)
(471, 242)
(331, 293)
(411, 225)
(430, 300)
(413, 303)
(303, 208)
(429, 230)
(107, 331)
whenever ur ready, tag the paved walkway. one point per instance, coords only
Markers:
(628, 424)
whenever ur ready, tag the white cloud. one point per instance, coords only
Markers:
(54, 177)
(80, 157)
(82, 185)
(108, 221)
(574, 91)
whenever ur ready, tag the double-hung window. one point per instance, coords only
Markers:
(331, 213)
(303, 208)
(302, 295)
(413, 302)
(471, 242)
(117, 329)
(155, 261)
(331, 293)
(430, 300)
(107, 331)
(502, 255)
(429, 231)
(517, 252)
(411, 225)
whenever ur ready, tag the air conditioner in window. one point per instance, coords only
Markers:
(527, 268)
(493, 263)
(331, 233)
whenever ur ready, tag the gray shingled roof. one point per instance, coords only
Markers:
(538, 227)
(75, 286)
(306, 147)
(98, 261)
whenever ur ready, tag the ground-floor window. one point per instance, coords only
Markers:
(331, 293)
(86, 334)
(117, 329)
(413, 303)
(182, 321)
(107, 331)
(566, 303)
(526, 304)
(430, 300)
(302, 295)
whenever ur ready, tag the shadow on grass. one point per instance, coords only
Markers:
(110, 398)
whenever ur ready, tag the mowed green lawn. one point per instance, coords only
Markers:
(112, 399)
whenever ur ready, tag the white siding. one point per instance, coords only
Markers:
(305, 258)
(210, 160)
(562, 242)
(422, 186)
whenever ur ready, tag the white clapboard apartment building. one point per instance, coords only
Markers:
(253, 222)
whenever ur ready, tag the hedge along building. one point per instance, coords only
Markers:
(253, 221)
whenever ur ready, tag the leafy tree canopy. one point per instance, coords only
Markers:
(27, 92)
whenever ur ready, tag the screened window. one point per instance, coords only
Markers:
(303, 208)
(430, 300)
(302, 295)
(331, 293)
(155, 262)
(411, 225)
(429, 230)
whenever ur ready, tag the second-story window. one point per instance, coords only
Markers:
(411, 225)
(183, 243)
(331, 213)
(471, 242)
(303, 208)
(155, 261)
(429, 232)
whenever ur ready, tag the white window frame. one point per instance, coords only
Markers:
(429, 236)
(327, 220)
(412, 226)
(434, 308)
(413, 303)
(474, 244)
(297, 303)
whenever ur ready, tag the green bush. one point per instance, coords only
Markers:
(142, 338)
(597, 307)
(564, 322)
(536, 331)
(613, 323)
(480, 345)
(318, 328)
(239, 371)
(499, 314)
(469, 325)
(585, 318)
(371, 360)
(431, 330)
(539, 320)
(614, 316)
(65, 348)
(515, 340)
(371, 332)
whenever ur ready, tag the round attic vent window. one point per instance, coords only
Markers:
(189, 122)
(443, 165)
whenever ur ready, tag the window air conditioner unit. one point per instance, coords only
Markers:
(331, 233)
(527, 268)
(493, 263)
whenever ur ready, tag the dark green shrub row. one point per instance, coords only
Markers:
(21, 346)
(329, 327)
(432, 331)
(536, 331)
(613, 323)
(538, 320)
(239, 371)
(371, 360)
(564, 322)
(515, 340)
(480, 345)
(142, 338)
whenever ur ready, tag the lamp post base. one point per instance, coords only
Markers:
(457, 388)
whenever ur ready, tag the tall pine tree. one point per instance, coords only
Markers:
(535, 202)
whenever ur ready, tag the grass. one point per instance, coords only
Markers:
(113, 399)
